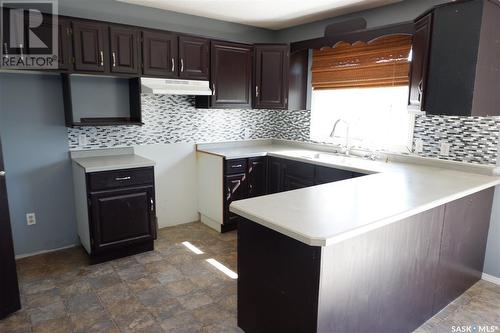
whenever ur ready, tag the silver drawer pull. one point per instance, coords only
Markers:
(236, 166)
(123, 178)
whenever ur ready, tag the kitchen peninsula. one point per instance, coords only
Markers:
(401, 243)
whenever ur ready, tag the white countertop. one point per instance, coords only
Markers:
(112, 162)
(328, 214)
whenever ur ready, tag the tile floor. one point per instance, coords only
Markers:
(168, 290)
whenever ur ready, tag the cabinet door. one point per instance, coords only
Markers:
(89, 45)
(275, 175)
(64, 46)
(44, 32)
(293, 183)
(120, 217)
(257, 176)
(231, 68)
(326, 175)
(194, 58)
(124, 50)
(451, 77)
(271, 76)
(236, 188)
(160, 53)
(420, 59)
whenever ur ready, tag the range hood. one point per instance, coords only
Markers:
(174, 87)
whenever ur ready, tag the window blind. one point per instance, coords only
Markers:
(380, 63)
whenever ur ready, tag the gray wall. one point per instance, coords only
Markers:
(399, 12)
(119, 12)
(35, 147)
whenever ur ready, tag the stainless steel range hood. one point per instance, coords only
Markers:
(174, 87)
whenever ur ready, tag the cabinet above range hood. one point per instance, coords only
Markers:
(175, 87)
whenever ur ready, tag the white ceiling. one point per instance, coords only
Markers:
(271, 14)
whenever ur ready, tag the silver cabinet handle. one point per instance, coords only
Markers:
(123, 178)
(102, 57)
(152, 205)
(213, 92)
(182, 65)
(2, 173)
(173, 64)
(236, 166)
(22, 53)
(114, 58)
(256, 91)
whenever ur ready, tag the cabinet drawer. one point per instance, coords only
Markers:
(236, 166)
(120, 178)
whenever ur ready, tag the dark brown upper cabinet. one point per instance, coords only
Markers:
(271, 76)
(64, 48)
(231, 68)
(160, 54)
(420, 56)
(194, 58)
(461, 77)
(90, 46)
(124, 45)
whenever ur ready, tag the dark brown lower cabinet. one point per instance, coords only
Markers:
(116, 212)
(257, 176)
(9, 288)
(235, 188)
(391, 279)
(122, 216)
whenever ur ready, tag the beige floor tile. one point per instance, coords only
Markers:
(168, 290)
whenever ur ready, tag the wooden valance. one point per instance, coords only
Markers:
(382, 62)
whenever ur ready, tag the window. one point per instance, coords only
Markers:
(377, 117)
(366, 86)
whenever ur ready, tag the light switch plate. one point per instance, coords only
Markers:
(419, 146)
(445, 148)
(30, 218)
(82, 140)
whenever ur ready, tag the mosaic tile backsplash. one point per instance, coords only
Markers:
(174, 119)
(472, 139)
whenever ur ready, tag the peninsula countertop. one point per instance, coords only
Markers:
(327, 214)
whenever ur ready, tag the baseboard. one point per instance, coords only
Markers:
(21, 256)
(491, 278)
(211, 223)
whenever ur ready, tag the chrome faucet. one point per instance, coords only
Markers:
(346, 149)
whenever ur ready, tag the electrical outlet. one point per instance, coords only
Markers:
(31, 218)
(248, 133)
(445, 148)
(82, 140)
(419, 146)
